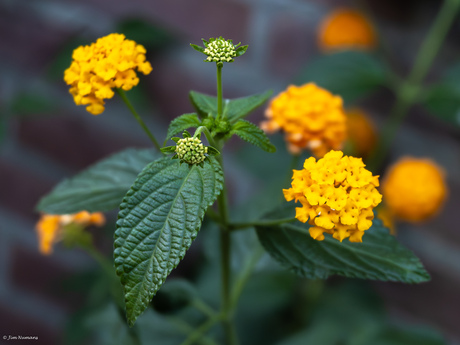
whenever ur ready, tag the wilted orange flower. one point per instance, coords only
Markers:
(346, 28)
(98, 68)
(361, 132)
(49, 227)
(337, 195)
(414, 189)
(311, 117)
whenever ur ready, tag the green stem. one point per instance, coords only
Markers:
(239, 226)
(205, 130)
(201, 330)
(138, 118)
(410, 89)
(203, 307)
(219, 91)
(185, 328)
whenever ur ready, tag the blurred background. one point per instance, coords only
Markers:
(44, 137)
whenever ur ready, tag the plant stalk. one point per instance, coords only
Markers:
(410, 89)
(138, 118)
(219, 92)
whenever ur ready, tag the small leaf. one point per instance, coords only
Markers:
(252, 134)
(241, 50)
(181, 123)
(350, 74)
(379, 257)
(186, 134)
(197, 48)
(233, 109)
(213, 151)
(159, 218)
(168, 149)
(101, 187)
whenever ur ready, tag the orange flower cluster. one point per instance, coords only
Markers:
(337, 195)
(311, 117)
(414, 189)
(49, 227)
(361, 132)
(345, 28)
(98, 68)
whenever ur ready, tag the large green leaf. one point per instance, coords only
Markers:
(101, 187)
(181, 123)
(252, 134)
(379, 257)
(233, 109)
(158, 220)
(350, 74)
(443, 98)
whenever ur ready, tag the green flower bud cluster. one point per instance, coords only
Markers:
(220, 50)
(191, 150)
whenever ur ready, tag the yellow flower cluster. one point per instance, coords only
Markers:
(311, 117)
(345, 28)
(414, 189)
(49, 227)
(337, 195)
(101, 66)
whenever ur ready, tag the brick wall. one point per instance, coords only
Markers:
(39, 150)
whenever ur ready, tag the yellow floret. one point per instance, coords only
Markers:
(311, 117)
(345, 28)
(337, 195)
(49, 227)
(98, 68)
(414, 189)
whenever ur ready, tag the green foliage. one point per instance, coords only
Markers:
(379, 257)
(233, 110)
(152, 37)
(158, 220)
(443, 98)
(101, 187)
(252, 134)
(350, 74)
(182, 123)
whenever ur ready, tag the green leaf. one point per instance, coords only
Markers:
(233, 109)
(181, 123)
(252, 134)
(101, 187)
(197, 48)
(350, 74)
(443, 98)
(168, 149)
(379, 257)
(158, 220)
(241, 50)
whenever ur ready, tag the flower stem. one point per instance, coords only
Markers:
(410, 89)
(219, 91)
(138, 118)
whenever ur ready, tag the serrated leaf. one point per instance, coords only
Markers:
(158, 220)
(233, 109)
(101, 187)
(182, 123)
(252, 134)
(350, 74)
(379, 257)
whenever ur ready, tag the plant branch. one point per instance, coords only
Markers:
(138, 118)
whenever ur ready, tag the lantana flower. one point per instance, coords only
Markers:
(344, 29)
(337, 195)
(50, 227)
(311, 117)
(414, 189)
(109, 63)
